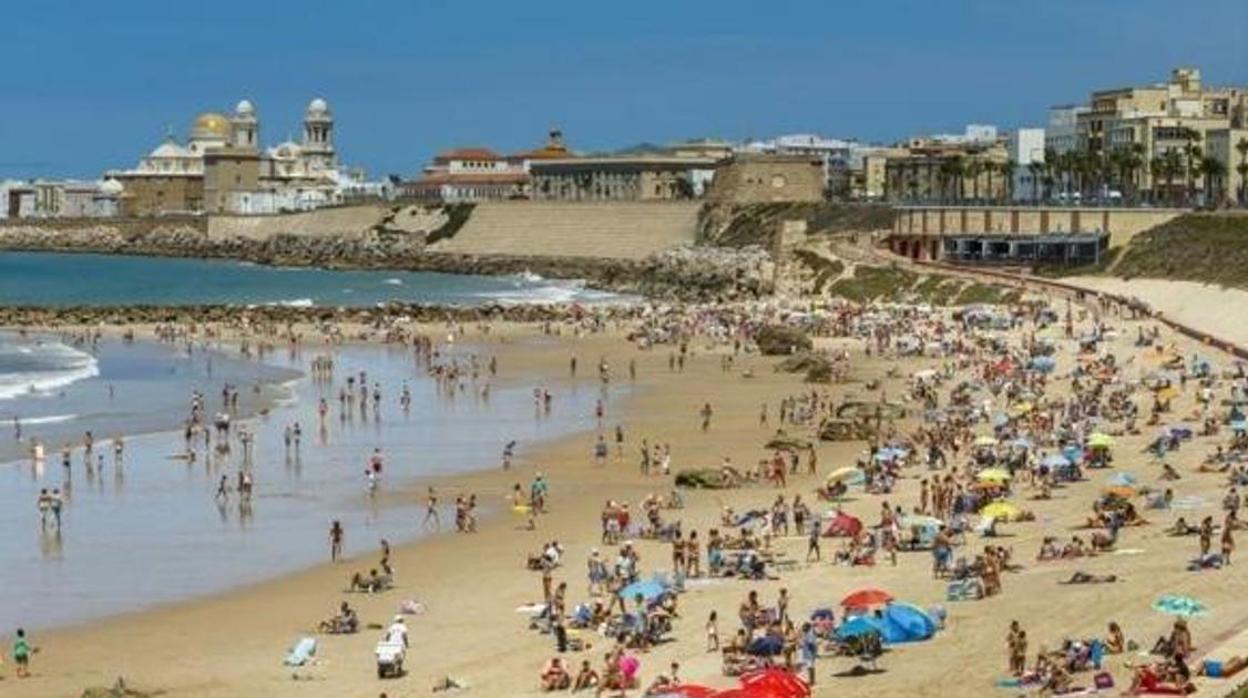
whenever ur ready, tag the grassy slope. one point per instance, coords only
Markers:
(1211, 248)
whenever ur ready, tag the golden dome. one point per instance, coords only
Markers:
(210, 125)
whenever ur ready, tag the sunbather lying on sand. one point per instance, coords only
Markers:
(1086, 578)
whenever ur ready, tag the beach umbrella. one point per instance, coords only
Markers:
(866, 598)
(857, 627)
(1022, 408)
(650, 589)
(1022, 442)
(1100, 440)
(916, 623)
(985, 440)
(774, 682)
(847, 474)
(1073, 453)
(1239, 425)
(1120, 492)
(1001, 511)
(765, 646)
(1055, 460)
(1178, 605)
(1121, 480)
(994, 475)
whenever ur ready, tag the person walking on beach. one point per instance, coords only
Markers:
(1016, 645)
(706, 413)
(21, 654)
(56, 502)
(335, 541)
(223, 489)
(431, 509)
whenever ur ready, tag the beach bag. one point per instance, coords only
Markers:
(1103, 681)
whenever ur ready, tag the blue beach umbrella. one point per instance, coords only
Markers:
(913, 622)
(859, 626)
(649, 589)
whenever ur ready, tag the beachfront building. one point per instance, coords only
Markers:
(621, 178)
(1062, 135)
(1025, 153)
(469, 175)
(43, 198)
(1151, 140)
(1227, 150)
(222, 168)
(973, 167)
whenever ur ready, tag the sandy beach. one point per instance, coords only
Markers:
(232, 644)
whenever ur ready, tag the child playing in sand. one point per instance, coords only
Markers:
(712, 632)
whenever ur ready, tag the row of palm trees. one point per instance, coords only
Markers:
(1174, 176)
(953, 174)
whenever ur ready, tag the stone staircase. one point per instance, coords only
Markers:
(609, 230)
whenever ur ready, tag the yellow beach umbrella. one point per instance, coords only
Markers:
(1001, 511)
(985, 440)
(842, 474)
(1100, 440)
(994, 475)
(1120, 492)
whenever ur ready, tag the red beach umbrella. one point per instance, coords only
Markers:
(866, 598)
(774, 683)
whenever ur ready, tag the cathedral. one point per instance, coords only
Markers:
(222, 168)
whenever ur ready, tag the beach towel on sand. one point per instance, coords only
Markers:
(302, 652)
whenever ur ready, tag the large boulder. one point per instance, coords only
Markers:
(782, 340)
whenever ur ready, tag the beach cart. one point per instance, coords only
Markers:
(390, 656)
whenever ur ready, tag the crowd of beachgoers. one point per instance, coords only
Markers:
(983, 416)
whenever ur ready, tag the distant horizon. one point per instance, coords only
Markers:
(408, 80)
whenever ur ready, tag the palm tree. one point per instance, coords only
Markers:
(1172, 166)
(1134, 163)
(1193, 155)
(1036, 170)
(973, 169)
(1157, 171)
(957, 169)
(1212, 173)
(1242, 169)
(1008, 168)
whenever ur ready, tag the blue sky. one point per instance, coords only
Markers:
(86, 86)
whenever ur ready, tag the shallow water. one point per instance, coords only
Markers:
(150, 531)
(59, 279)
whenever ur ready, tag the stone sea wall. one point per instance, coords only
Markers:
(701, 274)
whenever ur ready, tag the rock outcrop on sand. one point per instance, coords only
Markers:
(782, 340)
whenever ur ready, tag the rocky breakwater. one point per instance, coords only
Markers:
(377, 318)
(687, 273)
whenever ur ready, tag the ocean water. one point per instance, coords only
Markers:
(54, 279)
(149, 530)
(56, 391)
